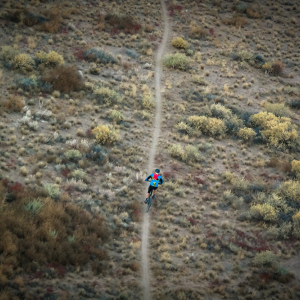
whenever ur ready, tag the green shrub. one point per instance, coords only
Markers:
(278, 109)
(176, 151)
(73, 154)
(8, 54)
(34, 206)
(50, 59)
(247, 134)
(23, 62)
(78, 174)
(148, 102)
(52, 190)
(179, 43)
(209, 126)
(178, 60)
(190, 154)
(277, 131)
(264, 212)
(265, 258)
(184, 128)
(291, 190)
(98, 55)
(105, 134)
(116, 115)
(296, 167)
(199, 80)
(107, 96)
(220, 111)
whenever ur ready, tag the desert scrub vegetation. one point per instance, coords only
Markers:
(179, 43)
(98, 55)
(107, 96)
(14, 103)
(23, 62)
(35, 232)
(122, 22)
(188, 154)
(116, 115)
(106, 134)
(178, 60)
(278, 109)
(50, 59)
(247, 134)
(277, 131)
(207, 125)
(63, 78)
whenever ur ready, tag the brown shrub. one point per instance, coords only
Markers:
(13, 104)
(235, 20)
(277, 68)
(54, 15)
(123, 22)
(283, 165)
(252, 14)
(59, 234)
(63, 78)
(197, 32)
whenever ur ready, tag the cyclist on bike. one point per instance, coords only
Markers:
(156, 179)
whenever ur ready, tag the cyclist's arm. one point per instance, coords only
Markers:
(148, 178)
(161, 180)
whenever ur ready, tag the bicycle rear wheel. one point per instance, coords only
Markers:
(149, 201)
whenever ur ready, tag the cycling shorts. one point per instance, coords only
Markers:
(151, 188)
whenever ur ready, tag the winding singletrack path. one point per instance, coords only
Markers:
(156, 131)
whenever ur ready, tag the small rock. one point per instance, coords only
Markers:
(147, 66)
(71, 26)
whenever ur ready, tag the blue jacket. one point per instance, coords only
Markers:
(154, 182)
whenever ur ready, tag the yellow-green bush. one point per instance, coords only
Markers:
(105, 134)
(184, 128)
(23, 62)
(220, 111)
(176, 151)
(52, 58)
(116, 115)
(178, 60)
(265, 258)
(148, 102)
(215, 127)
(278, 109)
(277, 131)
(199, 80)
(179, 43)
(296, 217)
(210, 126)
(264, 212)
(199, 122)
(8, 53)
(106, 95)
(296, 167)
(190, 154)
(291, 190)
(246, 133)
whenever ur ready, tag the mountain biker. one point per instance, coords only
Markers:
(156, 179)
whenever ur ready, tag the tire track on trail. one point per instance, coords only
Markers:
(156, 131)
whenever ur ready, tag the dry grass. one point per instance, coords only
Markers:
(13, 104)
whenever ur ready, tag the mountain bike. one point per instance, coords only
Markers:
(149, 201)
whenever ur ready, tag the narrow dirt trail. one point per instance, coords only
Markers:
(156, 131)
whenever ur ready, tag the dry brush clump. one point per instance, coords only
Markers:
(63, 78)
(179, 43)
(37, 231)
